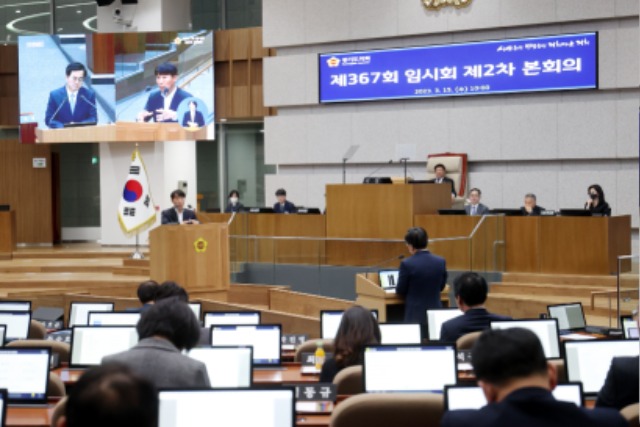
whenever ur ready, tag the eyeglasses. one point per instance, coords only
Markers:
(77, 79)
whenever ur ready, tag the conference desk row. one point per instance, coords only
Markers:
(554, 245)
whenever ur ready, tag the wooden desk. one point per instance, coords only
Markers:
(309, 420)
(29, 417)
(7, 234)
(120, 132)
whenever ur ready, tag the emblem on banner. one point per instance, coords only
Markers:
(200, 245)
(438, 4)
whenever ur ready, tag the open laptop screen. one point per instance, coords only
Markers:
(17, 324)
(79, 312)
(228, 367)
(589, 361)
(265, 340)
(196, 307)
(418, 368)
(400, 333)
(330, 322)
(3, 406)
(435, 319)
(24, 372)
(629, 327)
(113, 318)
(89, 344)
(15, 305)
(388, 279)
(472, 397)
(3, 334)
(227, 407)
(545, 329)
(231, 318)
(570, 316)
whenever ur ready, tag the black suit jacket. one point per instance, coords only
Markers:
(422, 277)
(288, 208)
(621, 386)
(480, 210)
(533, 407)
(170, 216)
(601, 209)
(446, 180)
(536, 211)
(475, 319)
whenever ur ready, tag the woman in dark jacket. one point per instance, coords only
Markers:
(596, 203)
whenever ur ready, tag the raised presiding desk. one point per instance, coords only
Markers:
(120, 132)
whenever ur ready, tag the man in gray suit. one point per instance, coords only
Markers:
(165, 329)
(475, 207)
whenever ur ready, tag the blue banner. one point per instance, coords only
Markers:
(550, 63)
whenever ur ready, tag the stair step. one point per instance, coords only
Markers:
(545, 289)
(627, 280)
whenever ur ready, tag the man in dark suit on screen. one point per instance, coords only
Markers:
(517, 381)
(193, 118)
(72, 103)
(162, 104)
(178, 214)
(470, 290)
(441, 178)
(421, 279)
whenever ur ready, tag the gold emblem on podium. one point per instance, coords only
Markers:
(438, 4)
(200, 245)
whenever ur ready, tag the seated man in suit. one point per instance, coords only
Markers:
(470, 290)
(517, 381)
(72, 103)
(530, 207)
(162, 104)
(283, 205)
(441, 178)
(193, 118)
(178, 214)
(111, 395)
(475, 207)
(147, 294)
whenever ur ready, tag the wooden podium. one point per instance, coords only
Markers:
(7, 234)
(194, 256)
(120, 132)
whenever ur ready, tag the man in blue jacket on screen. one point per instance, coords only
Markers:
(162, 105)
(72, 103)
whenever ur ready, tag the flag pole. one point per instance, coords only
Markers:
(137, 254)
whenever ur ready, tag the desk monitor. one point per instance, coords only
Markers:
(629, 327)
(436, 317)
(258, 210)
(409, 368)
(264, 407)
(228, 367)
(401, 333)
(545, 329)
(196, 307)
(79, 311)
(451, 212)
(575, 212)
(570, 316)
(17, 323)
(589, 361)
(113, 318)
(3, 406)
(265, 340)
(89, 344)
(231, 318)
(388, 279)
(309, 211)
(330, 322)
(24, 372)
(472, 397)
(506, 212)
(3, 334)
(15, 305)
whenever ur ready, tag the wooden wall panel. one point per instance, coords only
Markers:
(9, 108)
(100, 53)
(27, 190)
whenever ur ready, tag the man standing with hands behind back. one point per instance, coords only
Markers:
(178, 214)
(162, 104)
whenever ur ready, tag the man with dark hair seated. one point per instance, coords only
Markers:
(517, 381)
(111, 395)
(171, 289)
(165, 329)
(470, 290)
(147, 294)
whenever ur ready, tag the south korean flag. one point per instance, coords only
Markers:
(136, 212)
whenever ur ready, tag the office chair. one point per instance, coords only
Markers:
(349, 380)
(631, 413)
(62, 349)
(37, 331)
(467, 341)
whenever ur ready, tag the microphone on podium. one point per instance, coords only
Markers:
(386, 261)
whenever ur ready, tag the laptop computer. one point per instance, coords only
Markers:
(589, 361)
(15, 305)
(388, 280)
(228, 367)
(231, 318)
(629, 328)
(79, 311)
(113, 318)
(575, 212)
(89, 344)
(3, 334)
(472, 397)
(451, 212)
(545, 329)
(506, 212)
(400, 333)
(330, 322)
(265, 340)
(196, 307)
(3, 407)
(436, 317)
(571, 318)
(409, 368)
(17, 323)
(24, 373)
(245, 407)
